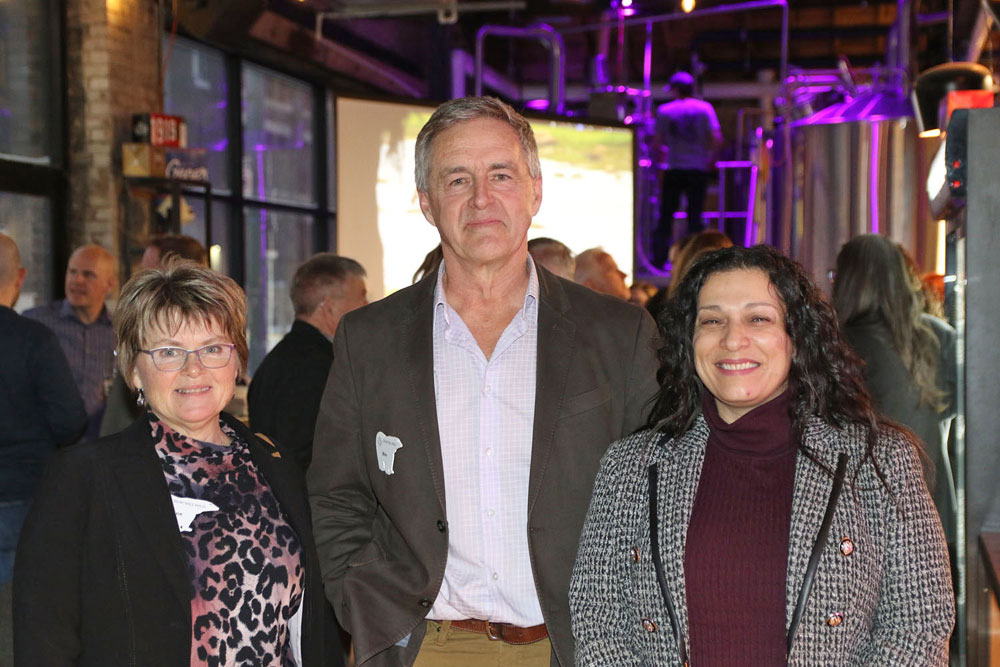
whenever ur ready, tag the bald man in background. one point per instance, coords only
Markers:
(40, 409)
(82, 324)
(596, 269)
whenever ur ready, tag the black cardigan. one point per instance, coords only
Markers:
(100, 575)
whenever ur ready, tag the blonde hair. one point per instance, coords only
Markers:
(169, 296)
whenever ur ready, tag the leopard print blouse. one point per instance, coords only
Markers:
(244, 560)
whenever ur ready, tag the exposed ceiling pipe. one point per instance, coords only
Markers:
(463, 66)
(899, 53)
(986, 20)
(710, 11)
(447, 10)
(557, 53)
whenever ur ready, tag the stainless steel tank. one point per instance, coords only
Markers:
(858, 167)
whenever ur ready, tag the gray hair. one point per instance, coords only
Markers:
(472, 108)
(553, 255)
(313, 279)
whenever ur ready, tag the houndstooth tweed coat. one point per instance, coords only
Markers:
(882, 597)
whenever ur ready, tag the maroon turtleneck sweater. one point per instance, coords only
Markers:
(737, 541)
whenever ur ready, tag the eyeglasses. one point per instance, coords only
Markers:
(215, 355)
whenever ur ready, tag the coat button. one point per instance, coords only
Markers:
(649, 625)
(835, 619)
(635, 554)
(846, 546)
(425, 602)
(441, 525)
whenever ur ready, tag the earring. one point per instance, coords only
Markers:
(140, 400)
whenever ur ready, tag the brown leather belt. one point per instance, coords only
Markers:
(503, 632)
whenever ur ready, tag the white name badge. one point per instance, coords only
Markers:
(186, 509)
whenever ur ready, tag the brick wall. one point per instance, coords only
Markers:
(113, 71)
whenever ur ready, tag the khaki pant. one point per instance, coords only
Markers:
(444, 646)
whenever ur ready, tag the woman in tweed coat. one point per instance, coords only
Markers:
(789, 524)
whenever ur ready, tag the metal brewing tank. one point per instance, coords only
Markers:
(858, 167)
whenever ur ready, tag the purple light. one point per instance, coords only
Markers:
(539, 105)
(769, 143)
(219, 146)
(748, 229)
(628, 12)
(626, 3)
(628, 120)
(620, 89)
(873, 190)
(645, 162)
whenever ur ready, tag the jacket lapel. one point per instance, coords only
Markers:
(809, 503)
(283, 483)
(144, 489)
(681, 460)
(417, 356)
(556, 350)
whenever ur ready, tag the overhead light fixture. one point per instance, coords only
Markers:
(687, 6)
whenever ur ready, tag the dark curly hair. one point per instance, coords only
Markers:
(825, 377)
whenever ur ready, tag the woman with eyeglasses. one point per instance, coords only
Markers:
(184, 539)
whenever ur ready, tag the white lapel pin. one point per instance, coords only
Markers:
(385, 451)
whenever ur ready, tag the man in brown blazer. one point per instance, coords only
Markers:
(464, 419)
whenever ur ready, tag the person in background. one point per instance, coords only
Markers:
(701, 243)
(766, 515)
(82, 324)
(184, 539)
(285, 391)
(909, 355)
(687, 251)
(640, 292)
(931, 285)
(464, 419)
(597, 270)
(40, 409)
(553, 255)
(165, 246)
(687, 135)
(122, 409)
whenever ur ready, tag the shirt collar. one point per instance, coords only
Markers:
(66, 312)
(528, 312)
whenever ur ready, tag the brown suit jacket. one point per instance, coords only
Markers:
(383, 539)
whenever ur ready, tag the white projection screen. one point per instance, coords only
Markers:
(587, 189)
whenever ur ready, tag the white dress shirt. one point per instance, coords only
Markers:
(485, 412)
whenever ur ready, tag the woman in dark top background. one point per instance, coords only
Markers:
(909, 355)
(766, 516)
(184, 539)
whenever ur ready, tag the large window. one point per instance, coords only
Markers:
(278, 164)
(276, 243)
(195, 88)
(26, 91)
(32, 181)
(28, 220)
(268, 139)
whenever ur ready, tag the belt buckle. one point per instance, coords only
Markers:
(494, 631)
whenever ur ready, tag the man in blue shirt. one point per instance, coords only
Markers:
(40, 409)
(83, 326)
